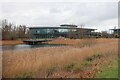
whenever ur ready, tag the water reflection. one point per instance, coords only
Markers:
(26, 46)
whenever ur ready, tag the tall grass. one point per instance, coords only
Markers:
(44, 61)
(0, 63)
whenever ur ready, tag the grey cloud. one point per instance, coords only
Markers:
(53, 13)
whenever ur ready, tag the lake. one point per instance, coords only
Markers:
(27, 46)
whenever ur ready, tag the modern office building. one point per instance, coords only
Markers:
(68, 31)
(116, 32)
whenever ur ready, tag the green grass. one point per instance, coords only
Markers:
(109, 72)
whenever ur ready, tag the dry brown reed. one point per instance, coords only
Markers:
(41, 59)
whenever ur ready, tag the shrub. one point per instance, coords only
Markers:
(95, 56)
(85, 64)
(75, 67)
(70, 66)
(50, 71)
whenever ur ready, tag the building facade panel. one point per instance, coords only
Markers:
(54, 32)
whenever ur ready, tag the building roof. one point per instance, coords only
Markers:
(70, 25)
(114, 29)
(59, 28)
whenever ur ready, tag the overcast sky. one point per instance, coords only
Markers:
(99, 15)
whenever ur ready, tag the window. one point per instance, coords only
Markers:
(37, 31)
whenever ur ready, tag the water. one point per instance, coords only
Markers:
(27, 46)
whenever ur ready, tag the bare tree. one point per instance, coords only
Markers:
(21, 31)
(81, 31)
(6, 29)
(11, 32)
(104, 34)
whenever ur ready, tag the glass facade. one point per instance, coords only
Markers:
(54, 32)
(48, 33)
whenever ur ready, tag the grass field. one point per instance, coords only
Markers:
(111, 72)
(87, 58)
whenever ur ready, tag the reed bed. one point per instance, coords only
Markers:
(40, 61)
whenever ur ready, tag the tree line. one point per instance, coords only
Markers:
(9, 31)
